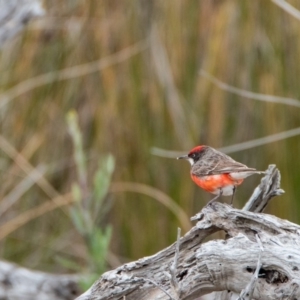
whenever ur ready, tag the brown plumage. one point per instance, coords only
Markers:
(216, 172)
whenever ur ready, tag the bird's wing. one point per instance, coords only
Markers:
(219, 163)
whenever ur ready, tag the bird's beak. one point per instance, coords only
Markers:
(183, 157)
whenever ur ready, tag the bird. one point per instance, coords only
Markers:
(216, 172)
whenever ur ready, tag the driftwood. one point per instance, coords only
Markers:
(18, 283)
(258, 258)
(15, 14)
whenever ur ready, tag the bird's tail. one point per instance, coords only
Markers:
(244, 174)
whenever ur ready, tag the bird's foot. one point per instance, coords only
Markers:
(215, 198)
(232, 197)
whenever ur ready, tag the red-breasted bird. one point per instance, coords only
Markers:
(216, 172)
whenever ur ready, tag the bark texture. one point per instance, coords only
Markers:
(252, 241)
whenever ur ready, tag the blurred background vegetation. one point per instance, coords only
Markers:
(129, 70)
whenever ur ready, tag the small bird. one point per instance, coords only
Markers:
(216, 172)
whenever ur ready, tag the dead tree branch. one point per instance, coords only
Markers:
(23, 284)
(269, 188)
(218, 265)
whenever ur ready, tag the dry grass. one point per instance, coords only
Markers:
(150, 97)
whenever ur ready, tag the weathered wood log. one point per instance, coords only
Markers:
(18, 283)
(224, 264)
(216, 265)
(15, 14)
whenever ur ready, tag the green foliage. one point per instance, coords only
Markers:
(86, 282)
(102, 181)
(79, 156)
(89, 205)
(98, 246)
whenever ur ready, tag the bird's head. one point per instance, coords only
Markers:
(194, 155)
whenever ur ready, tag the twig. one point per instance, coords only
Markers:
(259, 242)
(288, 8)
(156, 194)
(248, 94)
(15, 194)
(261, 141)
(247, 293)
(236, 147)
(33, 213)
(25, 166)
(268, 188)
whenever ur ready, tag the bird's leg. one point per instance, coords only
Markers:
(215, 198)
(233, 192)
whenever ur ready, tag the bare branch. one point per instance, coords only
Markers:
(25, 166)
(248, 94)
(259, 242)
(288, 8)
(156, 194)
(268, 188)
(33, 213)
(247, 293)
(261, 141)
(17, 192)
(236, 147)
